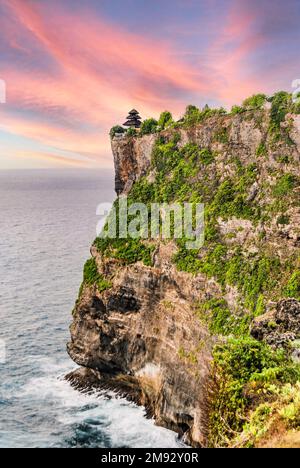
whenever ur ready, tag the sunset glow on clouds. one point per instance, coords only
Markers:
(73, 69)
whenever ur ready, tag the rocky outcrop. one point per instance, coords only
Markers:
(141, 335)
(132, 157)
(144, 329)
(232, 135)
(280, 326)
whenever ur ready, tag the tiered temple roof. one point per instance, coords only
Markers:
(133, 119)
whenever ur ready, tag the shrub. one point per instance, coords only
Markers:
(237, 110)
(206, 156)
(191, 110)
(127, 250)
(283, 219)
(293, 286)
(191, 115)
(149, 126)
(220, 320)
(132, 132)
(281, 103)
(284, 185)
(255, 102)
(238, 364)
(90, 271)
(165, 120)
(116, 129)
(92, 276)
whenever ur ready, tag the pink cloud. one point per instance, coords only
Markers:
(231, 52)
(94, 71)
(101, 71)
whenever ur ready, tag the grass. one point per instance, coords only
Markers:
(293, 286)
(91, 276)
(284, 185)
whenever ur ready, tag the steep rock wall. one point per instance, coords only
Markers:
(143, 328)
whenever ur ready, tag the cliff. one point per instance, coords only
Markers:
(206, 339)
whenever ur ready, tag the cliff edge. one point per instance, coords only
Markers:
(206, 339)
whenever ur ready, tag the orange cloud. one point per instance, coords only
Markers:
(99, 72)
(93, 71)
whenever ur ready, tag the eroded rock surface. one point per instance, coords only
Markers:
(141, 335)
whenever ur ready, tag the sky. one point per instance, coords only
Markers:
(73, 69)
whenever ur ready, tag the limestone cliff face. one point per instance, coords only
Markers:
(143, 327)
(138, 328)
(132, 158)
(227, 135)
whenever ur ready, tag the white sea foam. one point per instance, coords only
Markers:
(47, 225)
(123, 422)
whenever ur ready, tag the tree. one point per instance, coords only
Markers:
(149, 126)
(116, 129)
(165, 120)
(192, 114)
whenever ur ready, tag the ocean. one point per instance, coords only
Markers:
(48, 221)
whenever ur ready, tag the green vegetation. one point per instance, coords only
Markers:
(116, 129)
(165, 120)
(293, 286)
(283, 159)
(132, 132)
(91, 276)
(237, 110)
(127, 250)
(252, 276)
(281, 104)
(283, 219)
(194, 115)
(90, 271)
(253, 386)
(256, 101)
(149, 126)
(245, 371)
(220, 320)
(281, 414)
(206, 156)
(284, 185)
(221, 135)
(103, 284)
(261, 150)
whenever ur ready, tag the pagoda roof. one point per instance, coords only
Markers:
(133, 117)
(132, 123)
(133, 111)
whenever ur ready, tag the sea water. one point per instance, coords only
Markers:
(48, 221)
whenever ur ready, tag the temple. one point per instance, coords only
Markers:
(133, 119)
